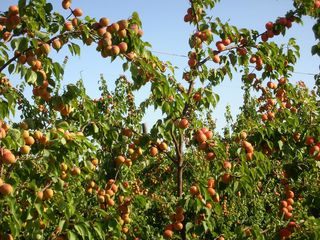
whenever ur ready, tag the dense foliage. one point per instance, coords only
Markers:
(82, 168)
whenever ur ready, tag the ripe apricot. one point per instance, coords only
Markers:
(194, 190)
(216, 58)
(56, 44)
(77, 12)
(201, 137)
(40, 195)
(3, 133)
(210, 156)
(6, 189)
(6, 36)
(211, 183)
(29, 140)
(48, 193)
(211, 191)
(114, 27)
(290, 194)
(104, 22)
(95, 161)
(184, 123)
(227, 165)
(123, 46)
(115, 50)
(25, 149)
(8, 157)
(290, 201)
(75, 171)
(153, 151)
(197, 96)
(66, 4)
(120, 160)
(310, 140)
(269, 25)
(123, 24)
(13, 10)
(226, 178)
(68, 26)
(163, 146)
(168, 233)
(178, 226)
(192, 62)
(220, 46)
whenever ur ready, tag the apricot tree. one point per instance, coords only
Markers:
(82, 168)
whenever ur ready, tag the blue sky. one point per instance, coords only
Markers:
(165, 29)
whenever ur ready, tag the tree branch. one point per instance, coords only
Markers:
(30, 48)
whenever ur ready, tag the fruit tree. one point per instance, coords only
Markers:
(75, 167)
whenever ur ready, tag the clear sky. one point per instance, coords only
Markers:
(165, 29)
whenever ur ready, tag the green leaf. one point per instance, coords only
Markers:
(76, 49)
(30, 76)
(23, 44)
(61, 223)
(21, 5)
(189, 225)
(57, 70)
(11, 68)
(112, 224)
(233, 59)
(280, 143)
(166, 107)
(81, 230)
(72, 235)
(125, 66)
(99, 230)
(95, 128)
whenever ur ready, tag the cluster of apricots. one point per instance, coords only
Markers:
(154, 150)
(28, 141)
(226, 177)
(176, 218)
(212, 192)
(286, 211)
(42, 90)
(192, 62)
(254, 59)
(5, 85)
(275, 28)
(203, 137)
(314, 147)
(31, 138)
(124, 212)
(248, 148)
(45, 194)
(192, 16)
(281, 96)
(223, 43)
(286, 205)
(106, 196)
(4, 128)
(199, 37)
(111, 36)
(9, 22)
(75, 171)
(120, 160)
(194, 191)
